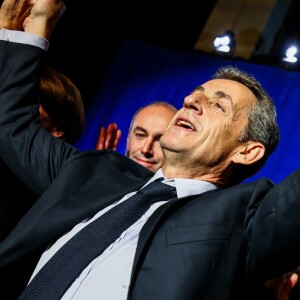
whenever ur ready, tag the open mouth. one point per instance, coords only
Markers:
(185, 124)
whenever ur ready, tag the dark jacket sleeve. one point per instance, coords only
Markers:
(32, 154)
(273, 240)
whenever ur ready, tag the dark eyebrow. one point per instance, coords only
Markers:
(199, 88)
(219, 94)
(140, 129)
(155, 135)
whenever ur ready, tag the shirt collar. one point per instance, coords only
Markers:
(184, 186)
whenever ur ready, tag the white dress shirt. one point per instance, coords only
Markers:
(23, 38)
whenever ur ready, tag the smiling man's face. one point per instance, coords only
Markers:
(204, 133)
(143, 144)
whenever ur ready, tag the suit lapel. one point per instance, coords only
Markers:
(147, 231)
(149, 227)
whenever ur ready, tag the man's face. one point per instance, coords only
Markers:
(204, 133)
(143, 140)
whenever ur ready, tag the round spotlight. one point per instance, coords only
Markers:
(290, 55)
(225, 43)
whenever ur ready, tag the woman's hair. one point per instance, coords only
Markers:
(61, 100)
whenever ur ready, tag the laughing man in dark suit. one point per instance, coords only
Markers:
(219, 239)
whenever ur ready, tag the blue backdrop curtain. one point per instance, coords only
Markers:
(143, 73)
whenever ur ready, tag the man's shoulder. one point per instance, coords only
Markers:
(110, 160)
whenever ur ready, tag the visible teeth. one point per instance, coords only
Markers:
(185, 124)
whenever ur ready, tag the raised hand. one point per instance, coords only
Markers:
(109, 139)
(13, 13)
(38, 17)
(283, 285)
(43, 17)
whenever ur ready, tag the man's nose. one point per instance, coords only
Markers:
(194, 102)
(148, 146)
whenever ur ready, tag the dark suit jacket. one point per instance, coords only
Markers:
(15, 200)
(217, 245)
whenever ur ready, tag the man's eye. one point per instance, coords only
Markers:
(218, 106)
(139, 135)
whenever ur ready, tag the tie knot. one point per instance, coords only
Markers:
(158, 191)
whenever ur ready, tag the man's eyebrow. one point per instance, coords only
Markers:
(219, 94)
(199, 88)
(140, 129)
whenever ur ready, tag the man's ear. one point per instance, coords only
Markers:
(249, 153)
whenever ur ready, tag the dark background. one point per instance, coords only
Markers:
(87, 38)
(89, 35)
